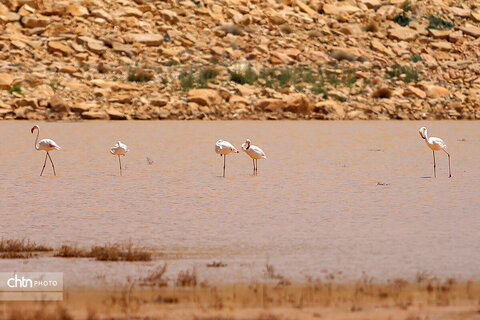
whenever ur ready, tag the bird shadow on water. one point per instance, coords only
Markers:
(425, 177)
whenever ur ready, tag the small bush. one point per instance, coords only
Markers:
(415, 59)
(402, 19)
(207, 74)
(382, 93)
(187, 278)
(411, 74)
(139, 75)
(246, 76)
(187, 81)
(437, 22)
(9, 245)
(170, 63)
(16, 89)
(54, 85)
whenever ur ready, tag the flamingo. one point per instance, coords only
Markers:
(436, 144)
(223, 148)
(254, 152)
(45, 145)
(120, 149)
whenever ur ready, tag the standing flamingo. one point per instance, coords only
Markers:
(45, 145)
(120, 149)
(436, 144)
(223, 148)
(254, 152)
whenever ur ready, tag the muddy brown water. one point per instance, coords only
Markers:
(351, 197)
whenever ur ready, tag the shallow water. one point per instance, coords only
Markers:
(315, 205)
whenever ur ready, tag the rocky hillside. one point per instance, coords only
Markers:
(239, 59)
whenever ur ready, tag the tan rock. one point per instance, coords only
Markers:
(378, 46)
(410, 90)
(159, 101)
(68, 69)
(277, 19)
(298, 103)
(81, 107)
(6, 81)
(100, 13)
(435, 92)
(271, 105)
(58, 104)
(402, 33)
(95, 115)
(459, 11)
(336, 10)
(471, 30)
(455, 36)
(305, 8)
(148, 39)
(55, 46)
(130, 12)
(332, 108)
(77, 10)
(169, 16)
(439, 34)
(476, 16)
(446, 46)
(115, 114)
(35, 21)
(204, 97)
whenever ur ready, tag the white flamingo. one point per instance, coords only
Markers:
(223, 148)
(254, 152)
(436, 144)
(120, 149)
(45, 145)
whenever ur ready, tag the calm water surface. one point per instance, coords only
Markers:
(346, 196)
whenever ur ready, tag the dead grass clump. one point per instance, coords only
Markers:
(286, 28)
(187, 278)
(11, 245)
(118, 252)
(139, 74)
(233, 29)
(216, 264)
(371, 26)
(67, 251)
(155, 278)
(16, 255)
(382, 93)
(343, 55)
(42, 313)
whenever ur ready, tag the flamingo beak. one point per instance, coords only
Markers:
(32, 129)
(421, 135)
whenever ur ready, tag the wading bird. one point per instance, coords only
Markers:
(120, 149)
(254, 152)
(223, 148)
(45, 145)
(436, 144)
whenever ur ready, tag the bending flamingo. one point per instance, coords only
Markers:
(120, 149)
(45, 145)
(254, 152)
(436, 144)
(223, 148)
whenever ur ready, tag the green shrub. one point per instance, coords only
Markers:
(437, 22)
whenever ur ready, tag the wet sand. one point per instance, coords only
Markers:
(332, 197)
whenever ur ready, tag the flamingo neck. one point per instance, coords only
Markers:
(36, 140)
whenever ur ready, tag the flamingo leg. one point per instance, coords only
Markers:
(120, 164)
(44, 163)
(253, 166)
(449, 168)
(53, 166)
(224, 160)
(256, 166)
(434, 165)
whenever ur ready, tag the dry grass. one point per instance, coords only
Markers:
(156, 277)
(24, 245)
(187, 278)
(108, 252)
(216, 264)
(429, 298)
(382, 93)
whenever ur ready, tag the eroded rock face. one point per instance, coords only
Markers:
(299, 59)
